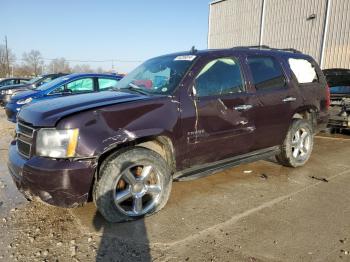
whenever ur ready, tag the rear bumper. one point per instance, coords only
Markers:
(61, 183)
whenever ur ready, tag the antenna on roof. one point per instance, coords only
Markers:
(193, 50)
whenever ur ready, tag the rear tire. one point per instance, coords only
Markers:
(298, 144)
(132, 184)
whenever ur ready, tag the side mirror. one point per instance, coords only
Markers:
(67, 92)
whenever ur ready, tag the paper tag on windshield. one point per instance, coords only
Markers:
(185, 58)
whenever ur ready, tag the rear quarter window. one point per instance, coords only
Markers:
(303, 70)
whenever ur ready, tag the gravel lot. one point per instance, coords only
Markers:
(254, 212)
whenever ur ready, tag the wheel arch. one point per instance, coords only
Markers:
(308, 113)
(161, 144)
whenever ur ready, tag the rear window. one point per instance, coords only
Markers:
(303, 70)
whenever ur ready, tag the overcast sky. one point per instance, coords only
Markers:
(104, 30)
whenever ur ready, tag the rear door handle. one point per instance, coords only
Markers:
(243, 107)
(289, 99)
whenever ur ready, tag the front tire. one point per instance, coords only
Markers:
(298, 144)
(132, 184)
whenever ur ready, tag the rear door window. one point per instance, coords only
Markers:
(303, 70)
(106, 83)
(266, 72)
(219, 77)
(83, 85)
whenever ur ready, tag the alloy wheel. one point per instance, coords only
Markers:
(301, 144)
(137, 190)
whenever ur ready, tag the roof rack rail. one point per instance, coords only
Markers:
(269, 48)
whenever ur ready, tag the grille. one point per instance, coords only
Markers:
(24, 148)
(25, 130)
(25, 136)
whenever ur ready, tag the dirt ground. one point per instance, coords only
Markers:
(254, 212)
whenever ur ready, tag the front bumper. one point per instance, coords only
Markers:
(4, 99)
(2, 103)
(12, 110)
(61, 183)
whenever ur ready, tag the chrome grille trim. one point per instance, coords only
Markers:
(25, 134)
(25, 130)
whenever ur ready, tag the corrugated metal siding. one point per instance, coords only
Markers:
(337, 47)
(234, 23)
(286, 25)
(238, 22)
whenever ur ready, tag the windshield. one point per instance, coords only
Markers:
(51, 83)
(159, 75)
(32, 81)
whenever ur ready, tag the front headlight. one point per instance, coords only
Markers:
(9, 92)
(24, 101)
(57, 143)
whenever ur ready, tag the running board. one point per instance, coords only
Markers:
(212, 168)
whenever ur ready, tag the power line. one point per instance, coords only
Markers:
(91, 61)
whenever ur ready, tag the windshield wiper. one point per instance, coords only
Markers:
(135, 88)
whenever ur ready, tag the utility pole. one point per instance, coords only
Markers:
(7, 57)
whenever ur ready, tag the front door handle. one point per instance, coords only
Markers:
(289, 99)
(243, 107)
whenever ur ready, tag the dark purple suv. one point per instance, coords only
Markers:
(175, 117)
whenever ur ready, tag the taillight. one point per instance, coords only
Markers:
(328, 97)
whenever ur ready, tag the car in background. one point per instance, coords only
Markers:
(14, 81)
(63, 86)
(7, 91)
(338, 80)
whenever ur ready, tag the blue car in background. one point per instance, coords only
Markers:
(73, 84)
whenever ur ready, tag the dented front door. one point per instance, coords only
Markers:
(223, 120)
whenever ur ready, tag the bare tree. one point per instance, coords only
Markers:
(83, 68)
(59, 65)
(7, 59)
(33, 61)
(21, 70)
(100, 70)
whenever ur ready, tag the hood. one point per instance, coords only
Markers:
(23, 95)
(47, 113)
